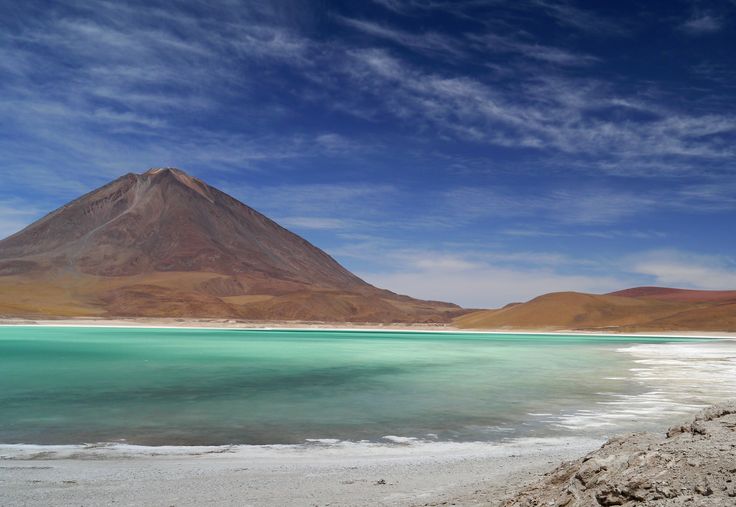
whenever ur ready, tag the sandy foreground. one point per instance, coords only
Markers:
(400, 474)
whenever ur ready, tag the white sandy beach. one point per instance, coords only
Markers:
(356, 474)
(175, 323)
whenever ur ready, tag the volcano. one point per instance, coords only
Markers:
(166, 244)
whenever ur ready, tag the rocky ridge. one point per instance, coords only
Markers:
(692, 465)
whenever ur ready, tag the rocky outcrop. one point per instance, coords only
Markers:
(692, 465)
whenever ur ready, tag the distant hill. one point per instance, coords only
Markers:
(668, 294)
(165, 244)
(636, 309)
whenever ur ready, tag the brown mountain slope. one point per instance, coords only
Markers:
(713, 317)
(165, 244)
(669, 294)
(566, 310)
(572, 310)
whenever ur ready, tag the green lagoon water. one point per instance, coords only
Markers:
(63, 385)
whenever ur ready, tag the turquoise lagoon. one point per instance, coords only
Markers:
(73, 385)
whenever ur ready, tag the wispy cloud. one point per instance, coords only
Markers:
(139, 92)
(107, 86)
(607, 233)
(478, 43)
(489, 279)
(453, 7)
(546, 111)
(473, 282)
(420, 126)
(333, 143)
(702, 23)
(583, 206)
(318, 223)
(15, 214)
(532, 212)
(587, 207)
(561, 11)
(483, 281)
(316, 206)
(549, 54)
(430, 42)
(685, 269)
(584, 20)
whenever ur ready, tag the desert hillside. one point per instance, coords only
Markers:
(165, 244)
(636, 309)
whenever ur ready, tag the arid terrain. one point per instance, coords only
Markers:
(165, 244)
(638, 309)
(691, 465)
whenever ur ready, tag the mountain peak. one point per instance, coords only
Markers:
(164, 173)
(156, 170)
(164, 243)
(165, 220)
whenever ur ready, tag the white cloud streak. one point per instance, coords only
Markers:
(151, 81)
(583, 20)
(16, 214)
(546, 112)
(685, 269)
(703, 23)
(483, 281)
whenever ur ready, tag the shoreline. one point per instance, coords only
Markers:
(398, 472)
(518, 472)
(690, 464)
(229, 324)
(395, 475)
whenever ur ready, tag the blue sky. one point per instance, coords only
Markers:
(475, 151)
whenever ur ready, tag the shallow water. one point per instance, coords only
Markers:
(62, 385)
